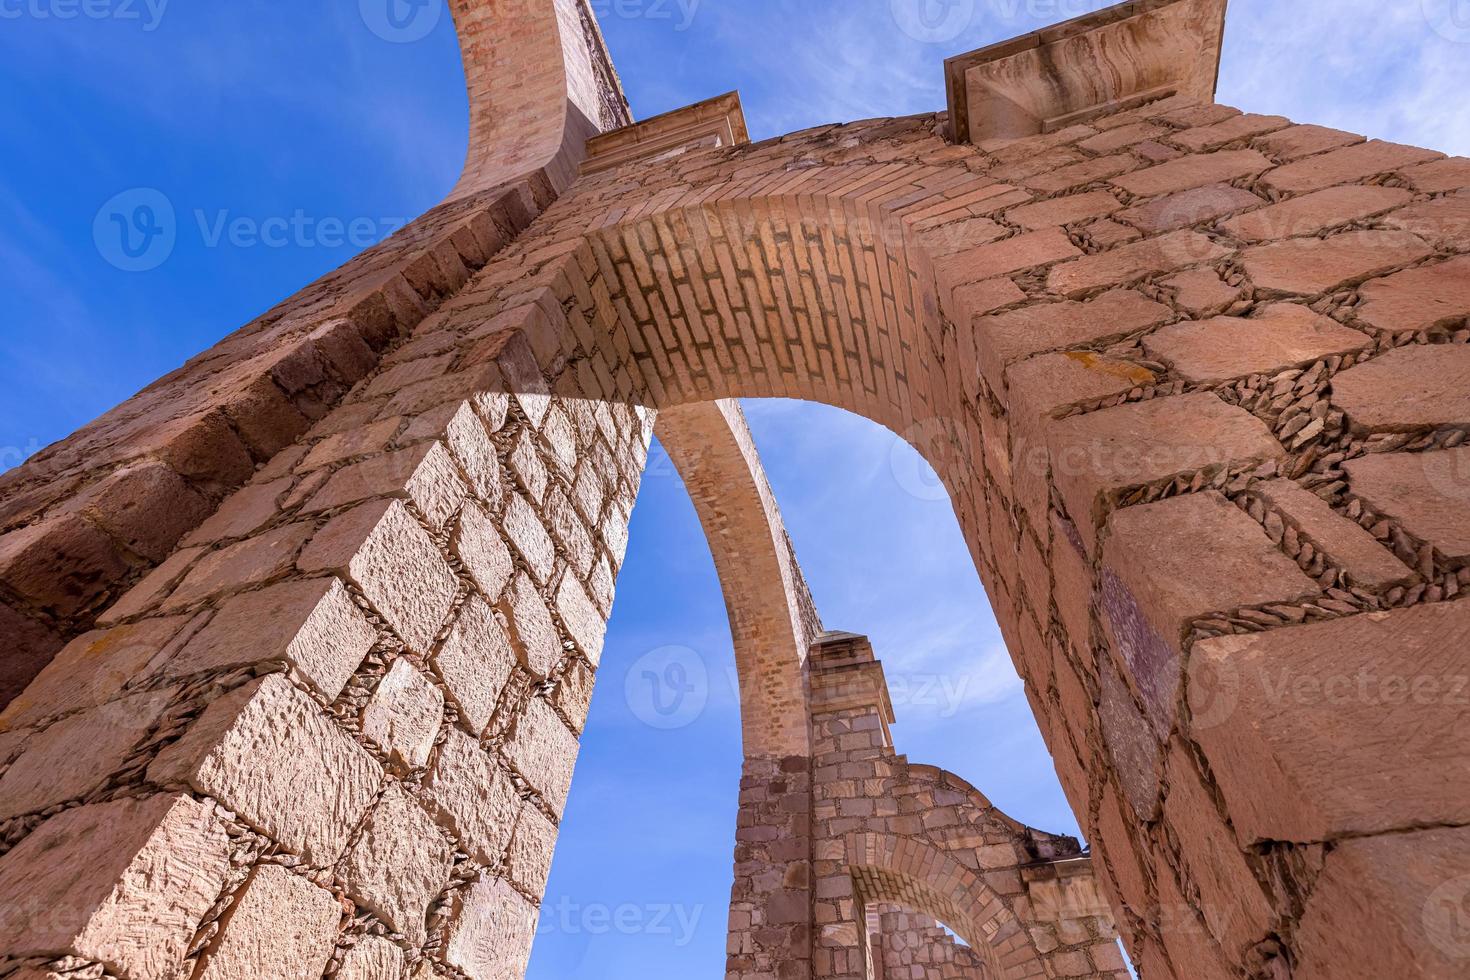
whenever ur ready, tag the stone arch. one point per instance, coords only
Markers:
(772, 618)
(888, 870)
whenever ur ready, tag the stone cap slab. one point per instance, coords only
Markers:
(715, 122)
(1100, 63)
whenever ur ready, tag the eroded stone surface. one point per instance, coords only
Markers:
(475, 660)
(544, 752)
(1417, 299)
(1428, 492)
(1310, 266)
(491, 932)
(125, 883)
(399, 863)
(372, 959)
(404, 714)
(1281, 336)
(474, 796)
(282, 925)
(1421, 385)
(269, 753)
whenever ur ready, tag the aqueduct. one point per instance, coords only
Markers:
(302, 637)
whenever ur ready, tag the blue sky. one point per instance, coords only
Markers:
(258, 110)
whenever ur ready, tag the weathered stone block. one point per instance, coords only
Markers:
(528, 536)
(395, 563)
(1418, 299)
(582, 619)
(259, 559)
(125, 883)
(1421, 385)
(1343, 166)
(474, 797)
(314, 625)
(1341, 539)
(1189, 208)
(1281, 336)
(271, 755)
(1429, 493)
(1064, 211)
(531, 851)
(424, 474)
(76, 756)
(1306, 729)
(475, 661)
(1172, 562)
(491, 932)
(399, 864)
(282, 925)
(535, 634)
(471, 446)
(544, 752)
(1313, 213)
(404, 714)
(481, 547)
(1098, 454)
(1308, 266)
(1202, 291)
(373, 959)
(1134, 263)
(1193, 171)
(60, 564)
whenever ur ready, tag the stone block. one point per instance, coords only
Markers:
(1353, 163)
(281, 925)
(1134, 263)
(1418, 299)
(60, 565)
(980, 298)
(314, 625)
(1342, 540)
(1236, 908)
(1444, 221)
(266, 556)
(1308, 266)
(244, 512)
(1406, 388)
(146, 506)
(482, 549)
(1429, 493)
(531, 851)
(125, 883)
(475, 662)
(1439, 176)
(403, 715)
(534, 632)
(1051, 179)
(1296, 142)
(1169, 563)
(1096, 455)
(1317, 212)
(582, 619)
(399, 864)
(94, 668)
(1392, 906)
(76, 756)
(1307, 729)
(1061, 211)
(1197, 170)
(351, 443)
(471, 446)
(1004, 338)
(1131, 742)
(573, 694)
(270, 754)
(396, 564)
(1189, 208)
(1280, 336)
(491, 932)
(474, 797)
(525, 463)
(544, 752)
(373, 958)
(1244, 126)
(425, 474)
(1202, 291)
(523, 527)
(1024, 251)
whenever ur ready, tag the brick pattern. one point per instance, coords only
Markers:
(871, 266)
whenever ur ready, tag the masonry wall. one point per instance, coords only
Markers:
(1195, 381)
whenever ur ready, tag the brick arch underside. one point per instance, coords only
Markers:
(923, 879)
